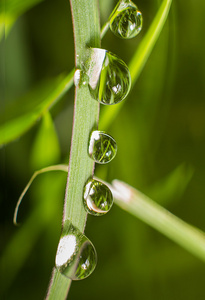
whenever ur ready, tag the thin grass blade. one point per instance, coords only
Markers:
(144, 208)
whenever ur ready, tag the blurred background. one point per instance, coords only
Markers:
(160, 134)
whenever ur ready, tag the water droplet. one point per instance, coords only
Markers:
(109, 77)
(98, 198)
(102, 147)
(76, 256)
(126, 20)
(80, 78)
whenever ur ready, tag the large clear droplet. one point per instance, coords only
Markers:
(98, 198)
(109, 77)
(76, 257)
(126, 20)
(102, 147)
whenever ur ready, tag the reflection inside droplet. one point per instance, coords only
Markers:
(102, 147)
(97, 198)
(126, 20)
(109, 77)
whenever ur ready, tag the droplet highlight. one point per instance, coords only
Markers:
(126, 20)
(80, 78)
(102, 147)
(76, 257)
(98, 198)
(109, 77)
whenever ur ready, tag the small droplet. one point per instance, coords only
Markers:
(80, 78)
(109, 77)
(126, 20)
(76, 257)
(102, 147)
(98, 198)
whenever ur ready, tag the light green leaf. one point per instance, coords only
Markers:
(10, 10)
(46, 149)
(23, 114)
(171, 187)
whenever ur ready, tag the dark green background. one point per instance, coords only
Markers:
(161, 126)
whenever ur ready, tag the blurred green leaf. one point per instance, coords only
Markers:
(44, 212)
(46, 148)
(10, 10)
(171, 187)
(18, 248)
(22, 115)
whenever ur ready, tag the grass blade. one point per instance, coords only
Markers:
(142, 207)
(10, 10)
(44, 170)
(20, 117)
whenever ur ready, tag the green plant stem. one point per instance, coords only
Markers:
(104, 29)
(86, 112)
(142, 207)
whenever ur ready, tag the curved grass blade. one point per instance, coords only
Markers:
(44, 216)
(63, 168)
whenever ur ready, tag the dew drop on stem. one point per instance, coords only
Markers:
(109, 77)
(126, 20)
(80, 78)
(76, 257)
(102, 147)
(97, 198)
